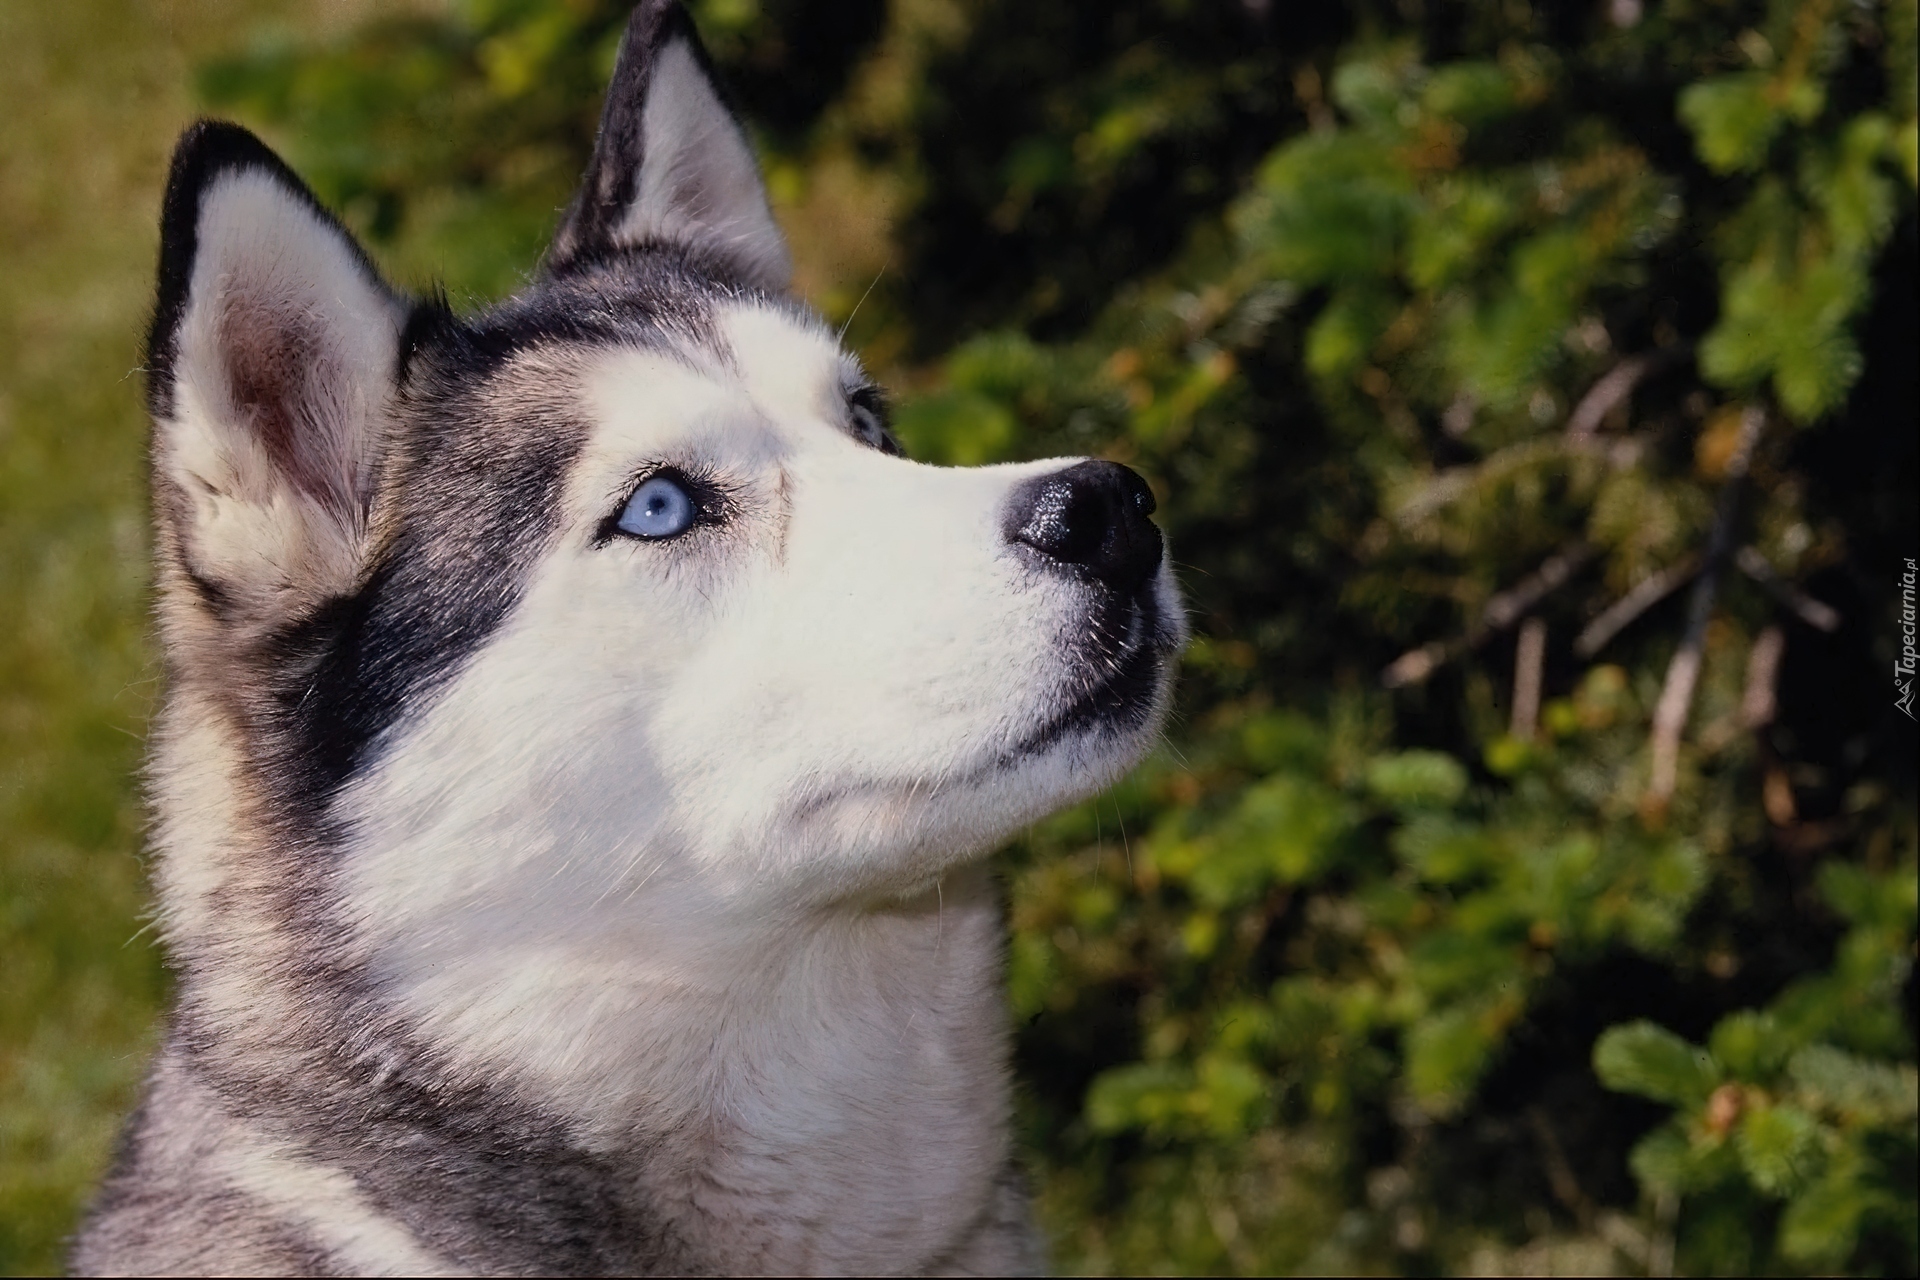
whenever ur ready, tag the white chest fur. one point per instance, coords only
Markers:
(820, 1091)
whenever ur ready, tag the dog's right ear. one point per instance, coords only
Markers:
(672, 165)
(271, 364)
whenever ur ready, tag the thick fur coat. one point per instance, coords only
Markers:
(581, 736)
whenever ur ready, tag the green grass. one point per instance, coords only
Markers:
(92, 93)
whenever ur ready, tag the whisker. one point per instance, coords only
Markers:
(863, 299)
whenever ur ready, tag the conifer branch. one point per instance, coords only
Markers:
(1683, 673)
(1501, 612)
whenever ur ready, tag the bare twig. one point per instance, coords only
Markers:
(1560, 1176)
(1626, 1237)
(1501, 612)
(1613, 387)
(1666, 1215)
(1646, 593)
(1759, 703)
(1446, 487)
(1458, 419)
(1776, 798)
(1510, 606)
(1449, 486)
(1415, 665)
(1683, 673)
(1670, 714)
(1529, 663)
(1810, 611)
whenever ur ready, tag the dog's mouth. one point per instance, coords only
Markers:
(1123, 654)
(1120, 656)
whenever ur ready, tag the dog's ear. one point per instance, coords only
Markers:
(672, 164)
(271, 364)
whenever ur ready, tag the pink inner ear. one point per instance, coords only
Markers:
(278, 371)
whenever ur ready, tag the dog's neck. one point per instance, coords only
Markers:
(831, 1085)
(669, 1012)
(778, 1086)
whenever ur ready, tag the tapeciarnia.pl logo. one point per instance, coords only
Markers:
(1903, 665)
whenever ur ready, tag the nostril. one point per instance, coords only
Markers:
(1137, 491)
(1091, 517)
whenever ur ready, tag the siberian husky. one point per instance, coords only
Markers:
(582, 736)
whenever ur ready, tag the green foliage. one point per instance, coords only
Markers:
(93, 94)
(1652, 1061)
(501, 99)
(1397, 315)
(1799, 253)
(1776, 1110)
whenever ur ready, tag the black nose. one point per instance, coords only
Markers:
(1092, 516)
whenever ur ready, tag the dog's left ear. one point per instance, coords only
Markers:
(672, 164)
(272, 361)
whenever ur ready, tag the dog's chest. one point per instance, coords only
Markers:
(874, 1188)
(779, 1103)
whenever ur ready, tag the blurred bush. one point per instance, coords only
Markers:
(1528, 881)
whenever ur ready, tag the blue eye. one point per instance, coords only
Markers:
(660, 508)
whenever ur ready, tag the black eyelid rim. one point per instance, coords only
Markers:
(712, 504)
(871, 397)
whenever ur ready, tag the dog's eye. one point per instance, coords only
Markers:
(868, 411)
(660, 508)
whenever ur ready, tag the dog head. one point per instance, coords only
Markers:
(624, 582)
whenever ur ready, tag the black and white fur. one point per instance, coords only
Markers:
(543, 900)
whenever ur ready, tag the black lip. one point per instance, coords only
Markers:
(1123, 696)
